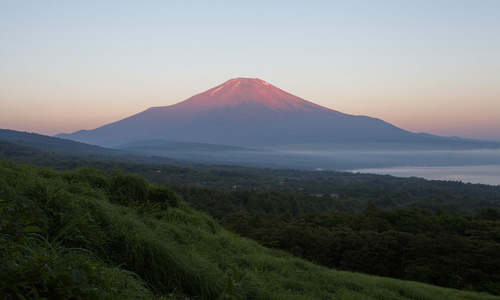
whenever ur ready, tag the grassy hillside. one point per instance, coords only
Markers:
(86, 235)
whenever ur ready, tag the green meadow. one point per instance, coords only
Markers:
(84, 234)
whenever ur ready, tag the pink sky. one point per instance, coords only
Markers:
(424, 66)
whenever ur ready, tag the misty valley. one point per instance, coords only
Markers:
(477, 164)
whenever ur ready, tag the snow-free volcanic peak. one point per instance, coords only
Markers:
(245, 112)
(237, 91)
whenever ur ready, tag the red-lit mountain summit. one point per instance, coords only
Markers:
(244, 112)
(241, 91)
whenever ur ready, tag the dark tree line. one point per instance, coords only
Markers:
(446, 250)
(430, 244)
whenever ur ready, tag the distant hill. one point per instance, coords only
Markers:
(53, 144)
(163, 145)
(248, 112)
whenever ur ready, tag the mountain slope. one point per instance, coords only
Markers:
(52, 144)
(245, 112)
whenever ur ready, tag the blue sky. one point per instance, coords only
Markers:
(425, 66)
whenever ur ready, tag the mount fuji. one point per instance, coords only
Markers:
(246, 112)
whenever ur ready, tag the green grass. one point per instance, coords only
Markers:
(145, 243)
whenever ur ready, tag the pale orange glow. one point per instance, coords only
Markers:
(71, 70)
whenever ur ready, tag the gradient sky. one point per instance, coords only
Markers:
(425, 66)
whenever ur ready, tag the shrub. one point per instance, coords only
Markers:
(125, 189)
(163, 195)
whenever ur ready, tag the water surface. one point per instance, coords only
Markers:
(486, 174)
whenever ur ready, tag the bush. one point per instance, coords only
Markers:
(163, 195)
(125, 189)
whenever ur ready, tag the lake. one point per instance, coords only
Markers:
(486, 174)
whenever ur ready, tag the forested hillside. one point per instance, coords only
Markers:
(435, 247)
(445, 250)
(86, 235)
(51, 144)
(437, 232)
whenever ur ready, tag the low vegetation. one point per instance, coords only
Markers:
(431, 246)
(82, 234)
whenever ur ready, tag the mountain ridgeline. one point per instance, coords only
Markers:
(248, 112)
